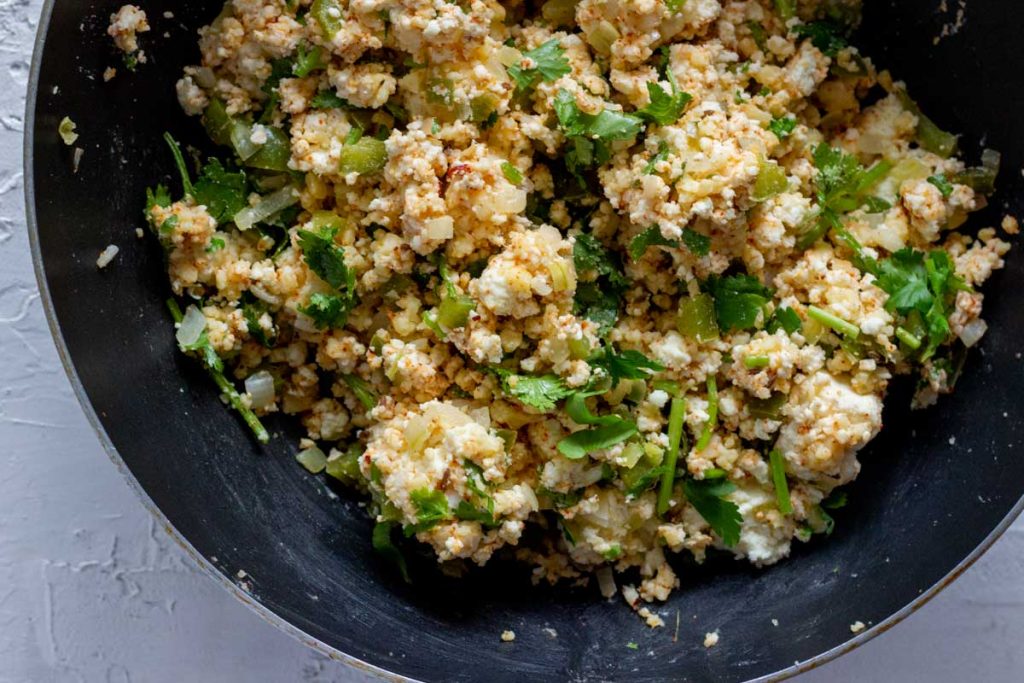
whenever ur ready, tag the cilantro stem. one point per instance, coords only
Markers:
(709, 426)
(838, 324)
(778, 467)
(675, 436)
(179, 161)
(907, 338)
(227, 388)
(756, 362)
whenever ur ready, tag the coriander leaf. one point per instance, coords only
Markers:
(675, 5)
(307, 60)
(467, 513)
(665, 108)
(589, 254)
(156, 196)
(512, 174)
(708, 498)
(784, 318)
(904, 277)
(698, 243)
(782, 126)
(739, 300)
(326, 99)
(327, 259)
(638, 484)
(547, 63)
(222, 192)
(876, 205)
(361, 389)
(835, 500)
(598, 305)
(578, 444)
(651, 237)
(824, 35)
(327, 310)
(381, 541)
(628, 364)
(589, 134)
(612, 125)
(431, 508)
(939, 180)
(540, 392)
(656, 158)
(252, 312)
(599, 299)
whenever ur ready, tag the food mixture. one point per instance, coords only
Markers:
(587, 283)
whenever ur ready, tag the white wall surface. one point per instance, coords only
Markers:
(92, 590)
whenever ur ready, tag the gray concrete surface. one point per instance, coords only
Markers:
(92, 590)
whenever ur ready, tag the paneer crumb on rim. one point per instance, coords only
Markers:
(586, 284)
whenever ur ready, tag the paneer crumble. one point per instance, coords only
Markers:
(580, 283)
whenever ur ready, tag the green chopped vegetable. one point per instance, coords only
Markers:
(766, 408)
(696, 318)
(344, 465)
(599, 299)
(222, 192)
(982, 178)
(327, 311)
(382, 543)
(739, 300)
(313, 459)
(607, 431)
(329, 15)
(847, 329)
(708, 497)
(512, 174)
(677, 413)
(699, 244)
(547, 63)
(326, 99)
(628, 364)
(364, 157)
(756, 362)
(771, 180)
(215, 367)
(709, 426)
(782, 126)
(825, 35)
(786, 9)
(778, 467)
(66, 130)
(784, 318)
(541, 391)
(589, 135)
(665, 107)
(943, 185)
(431, 509)
(361, 389)
(308, 59)
(929, 135)
(326, 259)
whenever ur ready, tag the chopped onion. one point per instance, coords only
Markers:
(241, 140)
(562, 277)
(416, 433)
(205, 77)
(602, 37)
(591, 476)
(509, 56)
(973, 331)
(192, 325)
(313, 459)
(606, 581)
(260, 387)
(266, 207)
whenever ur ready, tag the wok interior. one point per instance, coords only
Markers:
(919, 507)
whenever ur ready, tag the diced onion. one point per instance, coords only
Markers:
(266, 207)
(606, 581)
(509, 56)
(241, 140)
(562, 276)
(192, 325)
(107, 255)
(591, 476)
(416, 433)
(260, 387)
(313, 459)
(602, 37)
(973, 331)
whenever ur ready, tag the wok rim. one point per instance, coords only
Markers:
(250, 601)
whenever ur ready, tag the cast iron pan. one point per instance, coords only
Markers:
(922, 510)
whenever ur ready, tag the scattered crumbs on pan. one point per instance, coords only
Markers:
(108, 74)
(711, 639)
(857, 627)
(632, 646)
(952, 440)
(1010, 225)
(66, 130)
(675, 635)
(951, 28)
(76, 159)
(775, 622)
(125, 26)
(107, 255)
(140, 233)
(241, 574)
(508, 636)
(550, 632)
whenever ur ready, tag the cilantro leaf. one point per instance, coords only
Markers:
(222, 192)
(598, 305)
(651, 237)
(549, 64)
(157, 196)
(825, 35)
(252, 312)
(708, 497)
(944, 186)
(782, 126)
(540, 392)
(589, 254)
(327, 99)
(599, 299)
(739, 300)
(699, 244)
(431, 509)
(307, 60)
(665, 108)
(784, 318)
(607, 430)
(327, 310)
(327, 259)
(656, 158)
(589, 135)
(511, 173)
(628, 364)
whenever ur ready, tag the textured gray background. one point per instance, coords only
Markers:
(92, 590)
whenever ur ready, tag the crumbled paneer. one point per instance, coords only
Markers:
(508, 636)
(125, 26)
(857, 627)
(594, 283)
(711, 639)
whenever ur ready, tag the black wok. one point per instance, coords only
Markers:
(922, 510)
